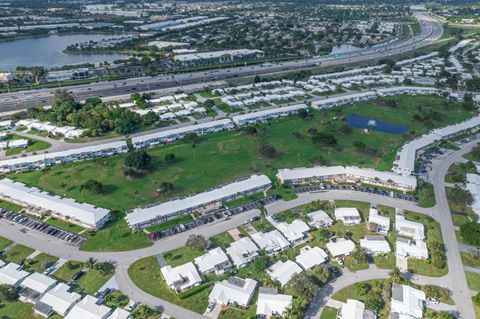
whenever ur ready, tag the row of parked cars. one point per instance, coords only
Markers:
(372, 190)
(43, 227)
(211, 218)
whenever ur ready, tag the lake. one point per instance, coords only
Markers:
(372, 124)
(47, 51)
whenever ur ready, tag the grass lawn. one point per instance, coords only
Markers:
(145, 273)
(66, 272)
(238, 313)
(10, 206)
(17, 253)
(329, 313)
(91, 282)
(357, 291)
(181, 255)
(458, 172)
(223, 157)
(60, 223)
(470, 260)
(287, 216)
(40, 263)
(434, 234)
(356, 232)
(170, 223)
(116, 300)
(459, 219)
(222, 240)
(5, 243)
(454, 207)
(352, 264)
(33, 146)
(20, 310)
(426, 195)
(387, 261)
(473, 280)
(476, 307)
(263, 225)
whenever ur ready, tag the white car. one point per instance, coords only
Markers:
(211, 306)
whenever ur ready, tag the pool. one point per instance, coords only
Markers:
(372, 124)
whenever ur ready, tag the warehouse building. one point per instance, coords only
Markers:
(199, 203)
(42, 203)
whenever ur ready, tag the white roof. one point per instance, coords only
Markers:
(18, 143)
(409, 228)
(233, 290)
(38, 282)
(294, 231)
(283, 271)
(375, 244)
(87, 308)
(214, 54)
(140, 215)
(408, 301)
(383, 221)
(266, 113)
(346, 212)
(242, 251)
(211, 259)
(353, 309)
(60, 298)
(185, 274)
(119, 314)
(473, 178)
(322, 171)
(271, 241)
(85, 213)
(319, 218)
(311, 256)
(340, 247)
(412, 248)
(272, 304)
(10, 275)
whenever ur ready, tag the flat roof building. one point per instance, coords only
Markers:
(202, 202)
(60, 299)
(270, 242)
(88, 308)
(340, 247)
(11, 275)
(283, 272)
(348, 215)
(375, 245)
(242, 252)
(377, 223)
(415, 248)
(319, 219)
(214, 260)
(264, 115)
(310, 257)
(270, 304)
(409, 228)
(181, 277)
(235, 290)
(354, 309)
(34, 286)
(407, 302)
(82, 214)
(296, 232)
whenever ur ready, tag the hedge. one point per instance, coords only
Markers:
(195, 290)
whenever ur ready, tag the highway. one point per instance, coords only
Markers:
(431, 31)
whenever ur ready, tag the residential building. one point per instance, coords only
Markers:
(271, 304)
(354, 309)
(20, 143)
(214, 260)
(11, 275)
(340, 247)
(407, 302)
(65, 75)
(42, 203)
(119, 314)
(348, 215)
(235, 290)
(415, 248)
(283, 272)
(310, 257)
(349, 175)
(40, 161)
(271, 242)
(34, 286)
(6, 77)
(242, 252)
(319, 219)
(296, 232)
(181, 277)
(375, 245)
(377, 223)
(265, 115)
(89, 308)
(60, 300)
(199, 203)
(409, 228)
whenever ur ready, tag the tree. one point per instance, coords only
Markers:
(92, 186)
(396, 276)
(360, 255)
(470, 233)
(90, 263)
(197, 242)
(303, 286)
(267, 151)
(437, 252)
(251, 130)
(324, 139)
(321, 273)
(127, 122)
(165, 188)
(261, 263)
(105, 268)
(170, 157)
(143, 312)
(302, 113)
(431, 314)
(8, 293)
(461, 196)
(138, 160)
(345, 128)
(150, 118)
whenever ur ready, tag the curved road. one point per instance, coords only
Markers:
(431, 31)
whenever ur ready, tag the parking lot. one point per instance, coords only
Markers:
(38, 225)
(321, 187)
(213, 217)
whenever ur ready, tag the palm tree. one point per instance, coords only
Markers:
(396, 276)
(90, 263)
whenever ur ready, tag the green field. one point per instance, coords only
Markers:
(170, 223)
(17, 253)
(40, 263)
(91, 281)
(66, 272)
(329, 313)
(470, 260)
(20, 310)
(223, 157)
(10, 206)
(34, 146)
(60, 223)
(473, 280)
(4, 243)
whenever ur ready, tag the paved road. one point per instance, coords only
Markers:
(431, 31)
